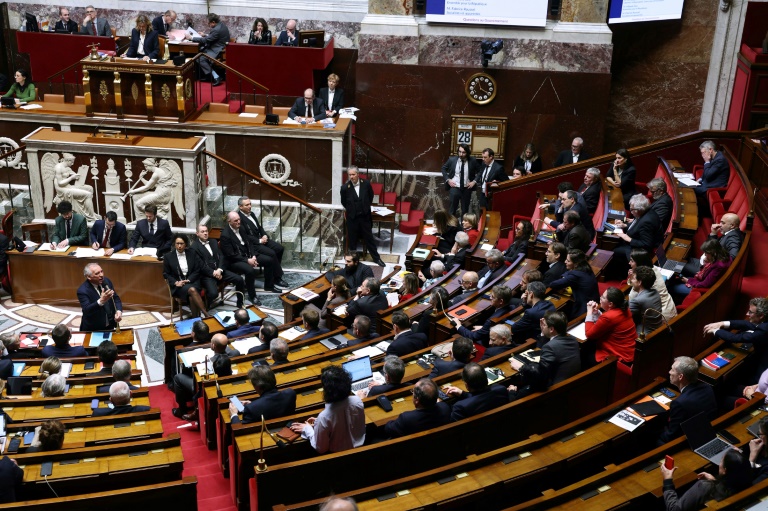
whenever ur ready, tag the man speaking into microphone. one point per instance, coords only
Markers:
(357, 197)
(102, 308)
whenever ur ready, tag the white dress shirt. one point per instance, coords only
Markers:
(340, 426)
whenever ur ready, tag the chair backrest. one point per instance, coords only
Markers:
(255, 109)
(79, 100)
(54, 98)
(281, 110)
(114, 32)
(38, 232)
(161, 43)
(7, 224)
(221, 108)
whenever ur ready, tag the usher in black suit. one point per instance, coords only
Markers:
(357, 205)
(212, 261)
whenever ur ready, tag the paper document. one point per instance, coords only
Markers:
(688, 183)
(486, 246)
(371, 351)
(248, 114)
(243, 345)
(194, 357)
(28, 243)
(291, 334)
(393, 298)
(381, 211)
(626, 420)
(89, 252)
(579, 331)
(348, 116)
(46, 247)
(191, 31)
(33, 106)
(341, 310)
(66, 368)
(684, 175)
(290, 121)
(349, 110)
(79, 339)
(145, 251)
(121, 256)
(304, 293)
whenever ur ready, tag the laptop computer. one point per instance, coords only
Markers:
(703, 439)
(335, 342)
(361, 372)
(8, 102)
(668, 264)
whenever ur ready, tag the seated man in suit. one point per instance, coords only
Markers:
(267, 333)
(643, 232)
(556, 255)
(65, 24)
(152, 231)
(163, 23)
(243, 258)
(405, 341)
(70, 229)
(289, 36)
(212, 271)
(201, 334)
(662, 203)
(271, 403)
(107, 353)
(108, 234)
(244, 326)
(120, 397)
(695, 397)
(278, 350)
(499, 342)
(717, 170)
(100, 303)
(394, 370)
(428, 412)
(573, 155)
(61, 348)
(368, 300)
(468, 287)
(560, 358)
(457, 253)
(461, 353)
(214, 42)
(753, 330)
(535, 306)
(331, 96)
(500, 296)
(590, 190)
(361, 330)
(494, 267)
(265, 245)
(570, 203)
(479, 398)
(307, 109)
(311, 320)
(94, 25)
(353, 271)
(121, 371)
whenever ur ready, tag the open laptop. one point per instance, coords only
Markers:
(668, 264)
(361, 372)
(703, 439)
(8, 102)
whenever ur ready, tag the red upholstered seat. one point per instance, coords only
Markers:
(504, 243)
(721, 194)
(411, 226)
(691, 298)
(597, 218)
(697, 171)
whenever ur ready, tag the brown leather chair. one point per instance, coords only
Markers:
(38, 232)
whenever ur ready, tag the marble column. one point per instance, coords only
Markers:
(401, 7)
(584, 11)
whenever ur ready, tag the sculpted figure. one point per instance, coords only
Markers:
(67, 184)
(163, 188)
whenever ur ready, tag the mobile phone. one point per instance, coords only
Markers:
(13, 446)
(46, 468)
(667, 392)
(669, 462)
(236, 401)
(90, 365)
(728, 437)
(95, 403)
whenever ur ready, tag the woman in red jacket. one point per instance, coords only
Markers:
(612, 331)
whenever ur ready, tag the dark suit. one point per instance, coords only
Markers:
(489, 275)
(78, 232)
(272, 404)
(749, 332)
(591, 196)
(515, 249)
(215, 42)
(560, 358)
(314, 333)
(566, 158)
(627, 185)
(484, 334)
(406, 343)
(528, 327)
(96, 317)
(356, 279)
(420, 419)
(447, 239)
(70, 351)
(116, 236)
(492, 351)
(554, 272)
(663, 209)
(243, 330)
(266, 37)
(11, 477)
(6, 368)
(61, 27)
(102, 28)
(645, 234)
(358, 215)
(119, 410)
(586, 219)
(159, 26)
(584, 287)
(458, 258)
(236, 255)
(696, 398)
(160, 239)
(4, 246)
(460, 194)
(151, 44)
(212, 261)
(172, 273)
(299, 109)
(383, 388)
(465, 293)
(715, 175)
(576, 238)
(441, 367)
(535, 164)
(367, 305)
(282, 39)
(473, 403)
(338, 99)
(104, 389)
(271, 248)
(486, 176)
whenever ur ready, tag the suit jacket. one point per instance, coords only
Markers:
(628, 178)
(103, 28)
(591, 196)
(528, 327)
(566, 158)
(367, 306)
(12, 477)
(70, 26)
(6, 368)
(161, 239)
(78, 233)
(485, 270)
(282, 39)
(645, 231)
(492, 351)
(515, 249)
(613, 333)
(586, 219)
(696, 398)
(577, 238)
(473, 403)
(496, 173)
(116, 237)
(584, 287)
(484, 334)
(749, 332)
(406, 343)
(212, 261)
(243, 330)
(158, 25)
(357, 206)
(272, 404)
(420, 419)
(535, 164)
(449, 169)
(338, 99)
(266, 37)
(172, 270)
(560, 358)
(95, 317)
(314, 333)
(457, 258)
(4, 245)
(716, 172)
(554, 272)
(257, 231)
(441, 367)
(663, 209)
(299, 109)
(731, 242)
(354, 280)
(216, 40)
(461, 296)
(383, 388)
(233, 250)
(70, 351)
(642, 301)
(447, 239)
(119, 410)
(151, 44)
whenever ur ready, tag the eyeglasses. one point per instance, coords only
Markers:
(751, 313)
(90, 12)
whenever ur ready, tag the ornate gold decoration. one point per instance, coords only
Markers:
(188, 89)
(103, 90)
(165, 91)
(135, 92)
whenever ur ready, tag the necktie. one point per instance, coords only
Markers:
(106, 237)
(69, 227)
(152, 229)
(166, 27)
(461, 175)
(485, 179)
(95, 27)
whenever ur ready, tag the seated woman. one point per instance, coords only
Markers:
(51, 365)
(447, 226)
(716, 261)
(436, 270)
(581, 279)
(469, 224)
(523, 231)
(410, 287)
(517, 173)
(23, 91)
(182, 271)
(641, 258)
(622, 175)
(613, 331)
(260, 34)
(144, 42)
(438, 299)
(529, 160)
(54, 386)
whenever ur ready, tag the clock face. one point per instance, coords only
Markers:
(480, 89)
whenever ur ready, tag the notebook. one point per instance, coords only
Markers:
(360, 369)
(98, 338)
(668, 264)
(185, 327)
(703, 439)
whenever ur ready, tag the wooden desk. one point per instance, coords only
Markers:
(292, 308)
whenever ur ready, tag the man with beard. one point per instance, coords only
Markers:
(353, 271)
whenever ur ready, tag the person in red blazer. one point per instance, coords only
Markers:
(612, 331)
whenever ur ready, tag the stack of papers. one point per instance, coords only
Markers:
(47, 247)
(243, 345)
(304, 293)
(32, 106)
(194, 357)
(348, 113)
(291, 333)
(370, 351)
(579, 331)
(79, 339)
(341, 310)
(381, 211)
(145, 251)
(89, 252)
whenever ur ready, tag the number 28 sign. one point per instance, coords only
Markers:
(479, 133)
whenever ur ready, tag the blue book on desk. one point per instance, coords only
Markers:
(98, 338)
(227, 318)
(185, 327)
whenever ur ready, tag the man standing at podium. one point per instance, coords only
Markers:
(214, 42)
(70, 229)
(357, 197)
(65, 24)
(94, 25)
(102, 308)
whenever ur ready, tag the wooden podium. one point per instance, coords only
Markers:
(136, 89)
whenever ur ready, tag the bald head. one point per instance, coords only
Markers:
(291, 25)
(337, 504)
(219, 343)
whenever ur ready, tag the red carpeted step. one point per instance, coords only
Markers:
(411, 226)
(218, 502)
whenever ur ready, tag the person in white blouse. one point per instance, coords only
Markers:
(144, 42)
(182, 270)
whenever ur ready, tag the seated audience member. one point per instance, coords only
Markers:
(244, 327)
(267, 333)
(201, 334)
(493, 269)
(528, 277)
(23, 91)
(410, 287)
(461, 354)
(271, 403)
(212, 272)
(468, 287)
(405, 341)
(107, 352)
(11, 347)
(152, 231)
(532, 378)
(163, 23)
(523, 231)
(574, 235)
(182, 270)
(529, 160)
(49, 436)
(536, 306)
(339, 504)
(438, 301)
(500, 341)
(61, 336)
(108, 234)
(94, 24)
(581, 279)
(54, 386)
(307, 109)
(643, 232)
(121, 371)
(695, 397)
(144, 42)
(394, 370)
(65, 25)
(480, 397)
(469, 225)
(11, 479)
(555, 255)
(260, 33)
(734, 475)
(559, 358)
(354, 272)
(573, 155)
(753, 330)
(266, 249)
(716, 262)
(70, 229)
(717, 170)
(735, 392)
(662, 203)
(341, 424)
(368, 300)
(428, 412)
(447, 226)
(517, 173)
(338, 293)
(288, 37)
(120, 397)
(645, 305)
(499, 296)
(436, 270)
(332, 96)
(361, 330)
(612, 331)
(562, 188)
(758, 452)
(569, 202)
(278, 349)
(590, 190)
(52, 365)
(311, 321)
(622, 175)
(727, 233)
(458, 252)
(641, 258)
